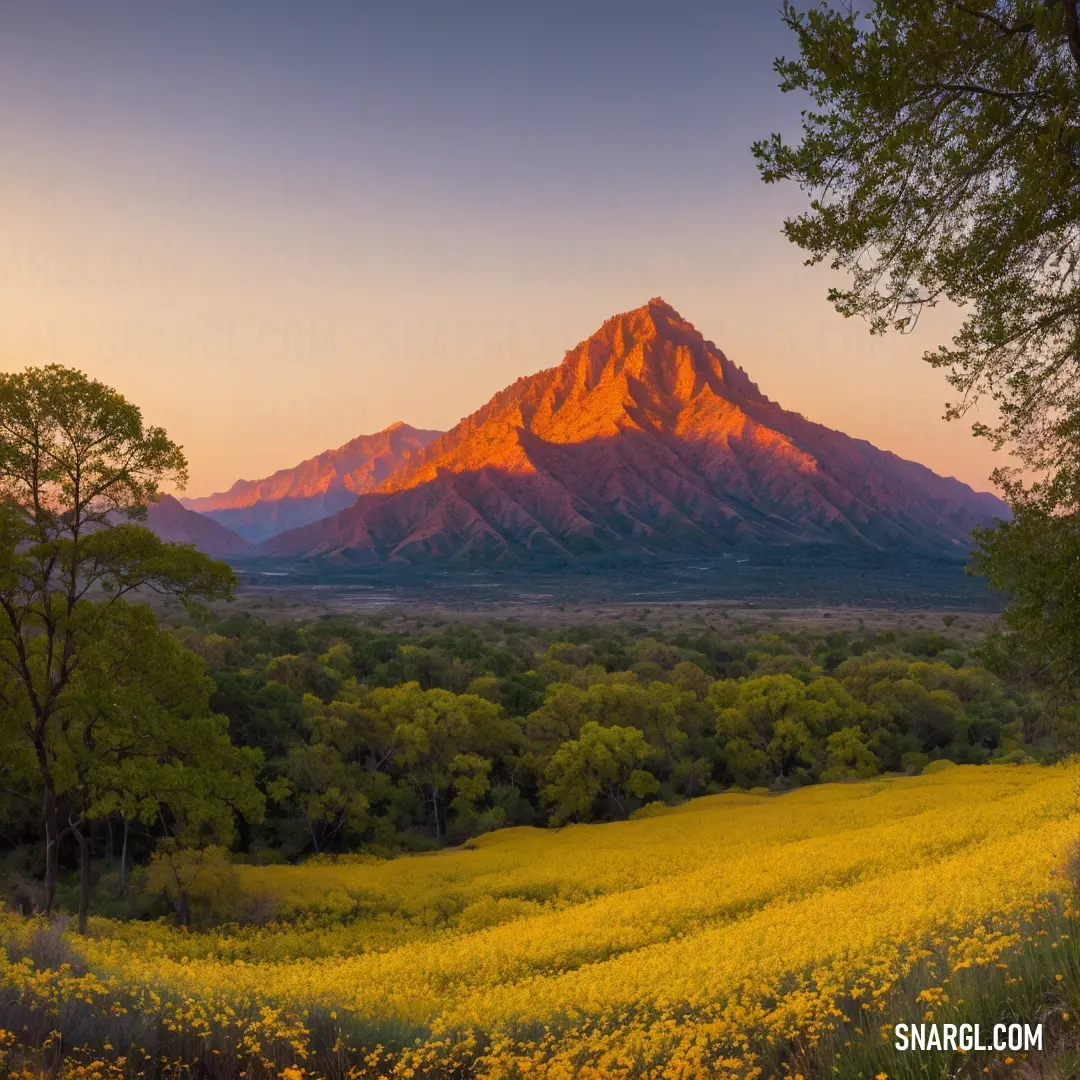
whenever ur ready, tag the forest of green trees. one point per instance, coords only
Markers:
(344, 737)
(135, 735)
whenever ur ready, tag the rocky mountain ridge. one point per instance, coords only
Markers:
(314, 489)
(645, 439)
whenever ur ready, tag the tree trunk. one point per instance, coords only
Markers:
(123, 859)
(52, 843)
(613, 794)
(435, 810)
(84, 876)
(1072, 29)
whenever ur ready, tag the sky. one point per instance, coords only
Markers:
(277, 225)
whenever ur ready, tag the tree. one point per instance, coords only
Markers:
(75, 458)
(751, 709)
(746, 764)
(791, 746)
(935, 717)
(260, 714)
(942, 153)
(560, 717)
(662, 712)
(326, 792)
(847, 757)
(201, 882)
(472, 781)
(439, 738)
(303, 675)
(602, 761)
(138, 738)
(1033, 559)
(691, 776)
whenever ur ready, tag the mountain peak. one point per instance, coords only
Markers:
(660, 353)
(658, 307)
(646, 438)
(655, 318)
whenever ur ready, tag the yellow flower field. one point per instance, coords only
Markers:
(684, 944)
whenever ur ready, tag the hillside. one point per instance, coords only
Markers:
(727, 938)
(645, 439)
(314, 489)
(172, 521)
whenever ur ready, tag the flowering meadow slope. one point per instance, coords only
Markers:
(727, 937)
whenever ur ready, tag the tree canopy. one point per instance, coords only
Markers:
(941, 151)
(78, 468)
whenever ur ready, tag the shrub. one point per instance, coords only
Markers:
(202, 884)
(1011, 757)
(914, 762)
(848, 757)
(938, 766)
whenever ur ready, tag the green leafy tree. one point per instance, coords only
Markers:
(439, 738)
(745, 763)
(691, 776)
(1033, 559)
(602, 762)
(752, 709)
(941, 150)
(691, 679)
(303, 675)
(935, 717)
(472, 782)
(325, 793)
(339, 658)
(260, 714)
(345, 780)
(559, 718)
(791, 747)
(75, 457)
(847, 756)
(138, 739)
(201, 882)
(764, 701)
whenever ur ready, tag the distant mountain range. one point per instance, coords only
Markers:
(172, 521)
(314, 489)
(645, 439)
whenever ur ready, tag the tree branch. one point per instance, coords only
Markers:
(1004, 27)
(974, 88)
(1072, 29)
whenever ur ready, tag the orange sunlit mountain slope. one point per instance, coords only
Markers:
(646, 438)
(314, 489)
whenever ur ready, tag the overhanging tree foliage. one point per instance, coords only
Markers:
(942, 154)
(1035, 558)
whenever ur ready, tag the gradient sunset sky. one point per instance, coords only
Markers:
(278, 225)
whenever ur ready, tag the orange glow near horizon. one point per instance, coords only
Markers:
(255, 364)
(341, 222)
